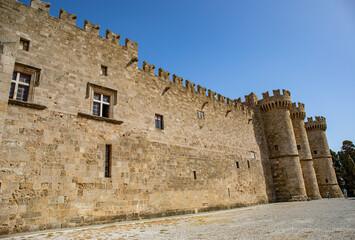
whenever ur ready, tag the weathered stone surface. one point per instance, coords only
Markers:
(52, 149)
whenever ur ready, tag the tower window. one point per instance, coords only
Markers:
(195, 176)
(101, 105)
(252, 155)
(276, 147)
(326, 180)
(200, 115)
(24, 44)
(108, 155)
(315, 152)
(248, 163)
(237, 163)
(159, 122)
(298, 147)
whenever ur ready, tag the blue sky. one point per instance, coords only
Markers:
(235, 47)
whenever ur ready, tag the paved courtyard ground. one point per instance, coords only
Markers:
(322, 219)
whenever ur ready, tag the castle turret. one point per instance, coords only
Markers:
(282, 148)
(322, 158)
(298, 115)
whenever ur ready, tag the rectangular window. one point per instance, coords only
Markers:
(248, 163)
(200, 115)
(103, 70)
(315, 152)
(252, 155)
(20, 86)
(237, 163)
(24, 44)
(276, 147)
(298, 147)
(159, 122)
(195, 176)
(101, 105)
(108, 161)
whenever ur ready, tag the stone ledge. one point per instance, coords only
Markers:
(27, 104)
(97, 118)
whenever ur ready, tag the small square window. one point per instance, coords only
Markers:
(298, 147)
(315, 151)
(200, 115)
(24, 44)
(252, 155)
(159, 122)
(276, 147)
(101, 105)
(103, 70)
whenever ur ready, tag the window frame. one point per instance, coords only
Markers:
(17, 83)
(101, 103)
(34, 74)
(157, 121)
(111, 93)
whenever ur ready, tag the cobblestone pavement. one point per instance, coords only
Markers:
(322, 219)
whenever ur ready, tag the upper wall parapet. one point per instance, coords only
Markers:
(277, 101)
(298, 111)
(89, 27)
(318, 124)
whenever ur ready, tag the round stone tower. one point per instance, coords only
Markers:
(282, 147)
(323, 164)
(298, 115)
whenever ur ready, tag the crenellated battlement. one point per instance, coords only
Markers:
(190, 86)
(178, 80)
(165, 75)
(277, 101)
(148, 67)
(221, 98)
(298, 111)
(91, 28)
(113, 37)
(315, 125)
(40, 6)
(67, 17)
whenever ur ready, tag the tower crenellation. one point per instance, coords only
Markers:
(318, 124)
(277, 101)
(298, 111)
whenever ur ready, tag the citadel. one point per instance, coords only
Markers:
(88, 137)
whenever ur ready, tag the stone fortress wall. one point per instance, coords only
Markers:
(53, 149)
